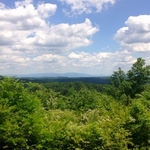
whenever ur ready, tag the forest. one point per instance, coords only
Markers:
(77, 115)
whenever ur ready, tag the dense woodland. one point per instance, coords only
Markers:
(77, 115)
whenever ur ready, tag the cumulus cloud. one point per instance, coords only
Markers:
(87, 6)
(47, 58)
(31, 44)
(46, 10)
(26, 26)
(28, 39)
(18, 23)
(13, 61)
(64, 36)
(102, 62)
(136, 34)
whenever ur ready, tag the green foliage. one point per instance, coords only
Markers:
(82, 100)
(138, 76)
(140, 124)
(21, 122)
(117, 78)
(75, 116)
(90, 130)
(131, 83)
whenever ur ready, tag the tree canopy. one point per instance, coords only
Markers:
(77, 116)
(132, 82)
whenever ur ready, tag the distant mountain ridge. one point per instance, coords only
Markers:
(70, 74)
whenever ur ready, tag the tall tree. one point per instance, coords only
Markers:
(131, 83)
(138, 76)
(117, 77)
(118, 84)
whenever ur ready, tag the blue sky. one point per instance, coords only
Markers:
(84, 36)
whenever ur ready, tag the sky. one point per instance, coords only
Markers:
(84, 36)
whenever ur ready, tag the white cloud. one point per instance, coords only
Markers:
(29, 40)
(46, 10)
(12, 61)
(100, 63)
(87, 6)
(103, 63)
(64, 36)
(31, 44)
(18, 23)
(47, 58)
(26, 26)
(136, 34)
